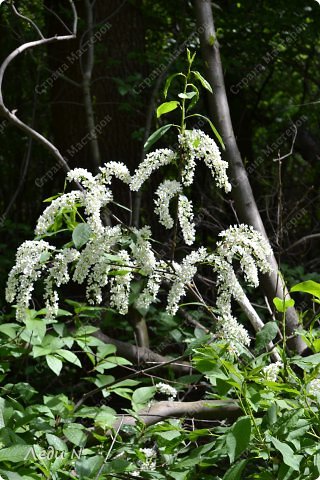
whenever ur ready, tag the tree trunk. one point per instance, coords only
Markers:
(241, 189)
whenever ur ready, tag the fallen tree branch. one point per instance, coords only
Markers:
(200, 410)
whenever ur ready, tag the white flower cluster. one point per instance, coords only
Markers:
(58, 274)
(250, 248)
(114, 169)
(184, 274)
(166, 389)
(152, 162)
(196, 145)
(94, 263)
(95, 197)
(120, 284)
(165, 193)
(149, 464)
(30, 262)
(247, 245)
(232, 331)
(271, 371)
(142, 251)
(185, 215)
(314, 387)
(68, 201)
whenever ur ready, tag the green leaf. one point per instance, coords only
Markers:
(311, 287)
(88, 467)
(81, 234)
(234, 473)
(16, 453)
(37, 328)
(282, 305)
(213, 128)
(154, 137)
(54, 363)
(168, 82)
(187, 95)
(167, 107)
(287, 453)
(141, 396)
(75, 434)
(56, 442)
(69, 356)
(238, 438)
(266, 335)
(105, 419)
(9, 329)
(203, 81)
(306, 363)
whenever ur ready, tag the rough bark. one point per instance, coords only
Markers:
(241, 189)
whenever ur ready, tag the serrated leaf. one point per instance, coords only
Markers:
(282, 305)
(311, 287)
(155, 136)
(203, 81)
(81, 234)
(54, 363)
(268, 332)
(167, 107)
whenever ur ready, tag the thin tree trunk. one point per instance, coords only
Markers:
(86, 85)
(241, 189)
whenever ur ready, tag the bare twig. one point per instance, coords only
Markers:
(11, 115)
(28, 20)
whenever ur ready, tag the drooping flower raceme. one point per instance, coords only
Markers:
(94, 263)
(185, 215)
(249, 247)
(152, 162)
(46, 220)
(231, 331)
(114, 169)
(196, 145)
(244, 243)
(165, 193)
(58, 274)
(142, 251)
(120, 284)
(184, 273)
(95, 197)
(30, 263)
